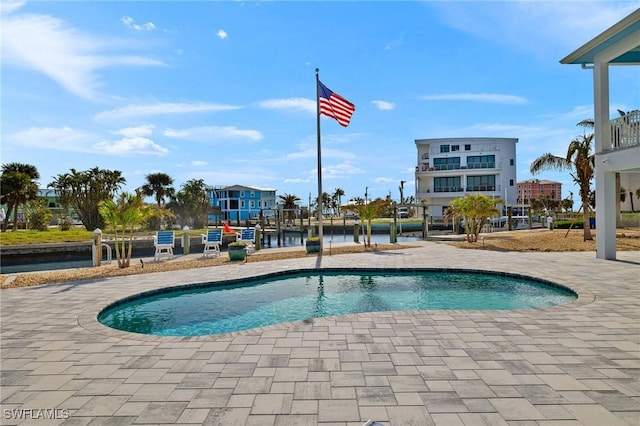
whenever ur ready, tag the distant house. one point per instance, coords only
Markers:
(239, 203)
(52, 202)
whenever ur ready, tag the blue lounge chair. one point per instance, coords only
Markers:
(212, 241)
(163, 242)
(248, 235)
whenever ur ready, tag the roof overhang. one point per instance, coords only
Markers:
(618, 45)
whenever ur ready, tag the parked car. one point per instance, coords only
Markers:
(403, 212)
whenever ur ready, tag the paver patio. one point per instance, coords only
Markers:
(577, 364)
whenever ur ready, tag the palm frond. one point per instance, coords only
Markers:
(549, 161)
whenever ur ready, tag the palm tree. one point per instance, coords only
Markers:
(338, 193)
(369, 211)
(83, 191)
(18, 184)
(289, 204)
(580, 162)
(124, 216)
(475, 209)
(159, 186)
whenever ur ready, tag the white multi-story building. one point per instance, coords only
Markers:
(450, 168)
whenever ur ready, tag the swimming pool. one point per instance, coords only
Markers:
(222, 307)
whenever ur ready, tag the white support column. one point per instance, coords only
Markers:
(605, 213)
(602, 130)
(606, 196)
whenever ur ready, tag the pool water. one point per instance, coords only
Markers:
(214, 308)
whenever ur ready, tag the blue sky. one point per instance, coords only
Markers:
(225, 91)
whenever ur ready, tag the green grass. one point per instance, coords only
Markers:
(74, 235)
(40, 237)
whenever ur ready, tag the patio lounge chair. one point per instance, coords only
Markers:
(212, 241)
(248, 235)
(163, 242)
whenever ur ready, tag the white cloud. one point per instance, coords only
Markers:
(312, 152)
(67, 139)
(478, 97)
(132, 132)
(131, 146)
(535, 26)
(69, 57)
(233, 176)
(213, 133)
(296, 104)
(393, 44)
(162, 109)
(296, 180)
(383, 180)
(222, 34)
(383, 105)
(199, 163)
(10, 6)
(340, 171)
(128, 21)
(336, 171)
(53, 138)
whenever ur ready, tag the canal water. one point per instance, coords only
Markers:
(290, 240)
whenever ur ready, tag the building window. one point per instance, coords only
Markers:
(510, 182)
(481, 161)
(452, 163)
(253, 194)
(242, 204)
(241, 194)
(511, 162)
(455, 147)
(447, 184)
(253, 204)
(467, 147)
(481, 183)
(444, 148)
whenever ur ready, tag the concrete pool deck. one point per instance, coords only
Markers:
(577, 364)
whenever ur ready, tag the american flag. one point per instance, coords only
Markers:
(335, 106)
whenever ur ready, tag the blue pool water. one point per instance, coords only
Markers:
(244, 304)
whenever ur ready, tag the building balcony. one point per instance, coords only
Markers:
(483, 188)
(426, 168)
(456, 191)
(481, 166)
(625, 130)
(448, 189)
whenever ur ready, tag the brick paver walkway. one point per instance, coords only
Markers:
(570, 365)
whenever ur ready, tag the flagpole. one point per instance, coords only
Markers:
(320, 236)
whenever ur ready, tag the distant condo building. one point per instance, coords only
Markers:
(535, 189)
(450, 168)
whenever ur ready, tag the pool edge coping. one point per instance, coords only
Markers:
(88, 319)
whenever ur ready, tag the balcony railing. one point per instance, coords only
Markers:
(439, 191)
(625, 130)
(481, 165)
(483, 188)
(448, 189)
(426, 167)
(438, 167)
